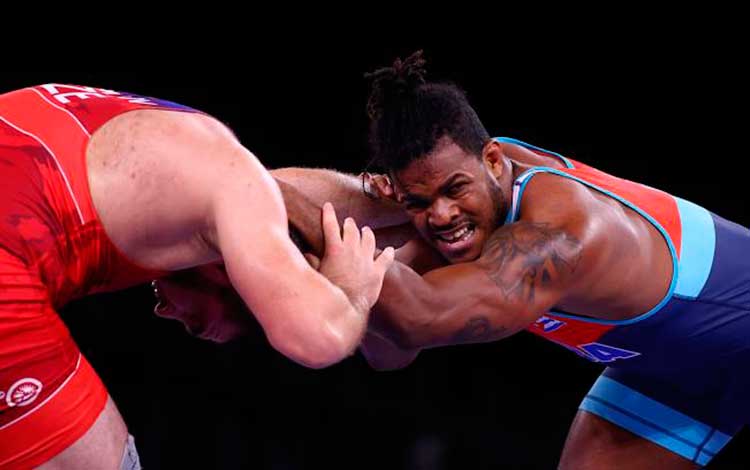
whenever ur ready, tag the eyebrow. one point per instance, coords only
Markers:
(413, 198)
(451, 181)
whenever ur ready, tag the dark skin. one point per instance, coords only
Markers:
(572, 249)
(566, 252)
(594, 443)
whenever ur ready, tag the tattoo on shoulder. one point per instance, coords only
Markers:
(523, 256)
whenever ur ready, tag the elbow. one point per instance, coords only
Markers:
(328, 355)
(320, 361)
(385, 367)
(409, 340)
(315, 349)
(318, 330)
(388, 364)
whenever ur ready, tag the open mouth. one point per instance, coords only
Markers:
(457, 240)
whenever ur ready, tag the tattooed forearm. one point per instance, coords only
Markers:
(523, 256)
(479, 329)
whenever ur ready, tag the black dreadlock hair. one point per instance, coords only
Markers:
(408, 115)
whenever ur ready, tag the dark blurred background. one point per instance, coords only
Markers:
(670, 113)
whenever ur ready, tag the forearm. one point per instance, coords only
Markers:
(304, 315)
(322, 326)
(345, 192)
(303, 215)
(451, 305)
(406, 308)
(305, 190)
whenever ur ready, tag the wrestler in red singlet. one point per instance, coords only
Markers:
(52, 249)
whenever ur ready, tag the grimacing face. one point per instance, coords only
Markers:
(453, 198)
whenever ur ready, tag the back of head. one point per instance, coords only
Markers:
(409, 115)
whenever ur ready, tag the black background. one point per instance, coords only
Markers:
(669, 111)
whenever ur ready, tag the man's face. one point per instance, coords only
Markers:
(453, 199)
(205, 302)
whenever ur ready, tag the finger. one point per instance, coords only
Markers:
(385, 259)
(331, 228)
(368, 241)
(351, 232)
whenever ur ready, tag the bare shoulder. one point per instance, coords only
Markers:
(155, 125)
(588, 213)
(558, 200)
(146, 145)
(563, 217)
(155, 176)
(526, 156)
(612, 240)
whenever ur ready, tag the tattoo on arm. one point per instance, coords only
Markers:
(523, 256)
(479, 329)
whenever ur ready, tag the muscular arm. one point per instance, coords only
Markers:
(304, 218)
(305, 228)
(525, 268)
(306, 189)
(304, 315)
(197, 196)
(321, 185)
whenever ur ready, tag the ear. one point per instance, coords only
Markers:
(381, 185)
(492, 157)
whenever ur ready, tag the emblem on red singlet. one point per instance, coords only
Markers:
(23, 392)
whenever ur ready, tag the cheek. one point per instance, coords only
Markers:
(476, 205)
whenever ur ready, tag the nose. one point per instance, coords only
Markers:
(442, 213)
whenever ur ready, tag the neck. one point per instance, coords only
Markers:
(511, 170)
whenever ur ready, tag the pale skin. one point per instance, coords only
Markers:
(566, 252)
(197, 197)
